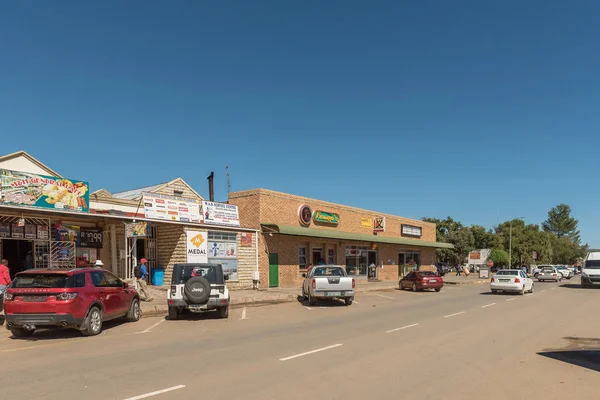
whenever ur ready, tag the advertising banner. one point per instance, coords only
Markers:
(379, 224)
(4, 230)
(197, 247)
(366, 223)
(136, 229)
(246, 239)
(90, 237)
(222, 250)
(220, 214)
(171, 208)
(67, 233)
(30, 231)
(42, 191)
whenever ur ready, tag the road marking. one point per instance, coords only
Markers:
(511, 299)
(399, 329)
(488, 305)
(542, 291)
(356, 302)
(143, 396)
(152, 327)
(31, 347)
(310, 352)
(244, 313)
(308, 308)
(552, 288)
(385, 297)
(452, 315)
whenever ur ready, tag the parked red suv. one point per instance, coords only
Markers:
(78, 298)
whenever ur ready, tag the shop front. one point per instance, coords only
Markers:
(298, 232)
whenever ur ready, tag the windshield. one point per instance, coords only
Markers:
(427, 273)
(49, 281)
(592, 264)
(548, 270)
(183, 272)
(329, 271)
(507, 272)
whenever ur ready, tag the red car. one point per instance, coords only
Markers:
(80, 298)
(420, 280)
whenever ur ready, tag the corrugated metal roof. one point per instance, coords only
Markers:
(135, 194)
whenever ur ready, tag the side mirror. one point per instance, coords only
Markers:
(304, 275)
(226, 277)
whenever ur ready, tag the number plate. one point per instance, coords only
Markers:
(35, 299)
(432, 281)
(333, 294)
(504, 280)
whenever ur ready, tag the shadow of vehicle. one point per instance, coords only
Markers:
(187, 315)
(574, 286)
(321, 303)
(43, 334)
(583, 352)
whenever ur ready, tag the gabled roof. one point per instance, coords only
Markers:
(32, 159)
(136, 194)
(102, 193)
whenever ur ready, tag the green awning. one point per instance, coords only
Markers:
(359, 237)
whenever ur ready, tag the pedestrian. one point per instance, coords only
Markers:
(4, 275)
(457, 270)
(28, 261)
(141, 274)
(99, 264)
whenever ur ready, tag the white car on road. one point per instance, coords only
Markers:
(566, 273)
(511, 280)
(550, 274)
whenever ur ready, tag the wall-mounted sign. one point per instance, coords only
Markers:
(136, 229)
(16, 231)
(172, 208)
(220, 214)
(30, 231)
(379, 224)
(304, 214)
(42, 232)
(246, 239)
(326, 217)
(474, 255)
(32, 190)
(366, 223)
(4, 230)
(197, 247)
(90, 237)
(67, 233)
(411, 230)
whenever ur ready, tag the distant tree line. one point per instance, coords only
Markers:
(556, 241)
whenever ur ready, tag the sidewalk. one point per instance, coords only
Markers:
(251, 298)
(472, 279)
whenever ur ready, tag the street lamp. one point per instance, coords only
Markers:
(510, 242)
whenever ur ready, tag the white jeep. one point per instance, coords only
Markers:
(197, 288)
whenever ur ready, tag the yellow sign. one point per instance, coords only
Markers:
(366, 223)
(197, 240)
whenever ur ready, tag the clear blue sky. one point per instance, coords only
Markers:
(483, 111)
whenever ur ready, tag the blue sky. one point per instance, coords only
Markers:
(483, 111)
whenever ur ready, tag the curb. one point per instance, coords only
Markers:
(466, 283)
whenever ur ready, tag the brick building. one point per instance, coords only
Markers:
(299, 231)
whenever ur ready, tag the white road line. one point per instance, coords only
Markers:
(152, 327)
(244, 313)
(308, 308)
(356, 302)
(552, 288)
(452, 315)
(310, 352)
(385, 297)
(143, 396)
(542, 291)
(399, 329)
(511, 299)
(488, 305)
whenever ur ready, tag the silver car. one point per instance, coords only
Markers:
(549, 274)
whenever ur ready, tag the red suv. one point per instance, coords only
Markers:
(78, 298)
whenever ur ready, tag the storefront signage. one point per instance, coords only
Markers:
(379, 224)
(326, 217)
(474, 255)
(196, 247)
(220, 214)
(67, 233)
(90, 237)
(42, 232)
(16, 231)
(30, 231)
(222, 249)
(411, 230)
(304, 214)
(32, 190)
(246, 239)
(136, 229)
(366, 223)
(171, 208)
(4, 230)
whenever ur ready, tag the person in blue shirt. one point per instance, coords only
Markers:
(142, 285)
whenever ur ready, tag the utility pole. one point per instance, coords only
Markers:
(228, 180)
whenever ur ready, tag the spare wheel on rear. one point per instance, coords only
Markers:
(197, 290)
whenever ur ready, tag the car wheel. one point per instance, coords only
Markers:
(438, 289)
(173, 313)
(414, 287)
(93, 322)
(348, 301)
(304, 296)
(494, 291)
(531, 290)
(21, 333)
(311, 301)
(535, 276)
(135, 311)
(224, 312)
(522, 292)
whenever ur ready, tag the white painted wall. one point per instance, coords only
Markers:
(24, 165)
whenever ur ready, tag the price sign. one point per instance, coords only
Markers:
(90, 237)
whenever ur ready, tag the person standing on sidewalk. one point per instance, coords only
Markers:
(4, 275)
(141, 274)
(458, 270)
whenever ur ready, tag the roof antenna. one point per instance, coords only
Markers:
(228, 180)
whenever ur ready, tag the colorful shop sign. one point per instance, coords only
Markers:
(136, 229)
(171, 208)
(220, 214)
(366, 223)
(379, 224)
(32, 190)
(326, 217)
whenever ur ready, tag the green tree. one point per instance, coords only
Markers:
(561, 223)
(499, 257)
(484, 239)
(451, 231)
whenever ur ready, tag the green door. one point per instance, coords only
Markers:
(273, 270)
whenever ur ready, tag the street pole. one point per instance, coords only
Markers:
(510, 247)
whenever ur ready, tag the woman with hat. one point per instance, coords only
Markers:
(99, 264)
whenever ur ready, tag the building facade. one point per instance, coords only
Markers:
(297, 232)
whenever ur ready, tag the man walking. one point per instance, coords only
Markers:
(141, 274)
(4, 275)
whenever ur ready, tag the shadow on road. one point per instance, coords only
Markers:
(583, 352)
(56, 333)
(574, 286)
(328, 303)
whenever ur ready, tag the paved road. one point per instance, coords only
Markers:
(461, 343)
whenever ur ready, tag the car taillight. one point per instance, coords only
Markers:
(66, 296)
(492, 279)
(314, 284)
(353, 283)
(8, 296)
(554, 274)
(173, 290)
(517, 280)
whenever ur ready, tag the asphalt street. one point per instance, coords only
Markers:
(461, 343)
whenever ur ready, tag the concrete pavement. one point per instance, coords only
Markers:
(461, 343)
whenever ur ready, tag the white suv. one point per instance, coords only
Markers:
(197, 288)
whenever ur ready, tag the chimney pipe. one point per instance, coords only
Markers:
(211, 186)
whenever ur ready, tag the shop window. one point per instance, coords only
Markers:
(222, 249)
(223, 236)
(302, 257)
(356, 260)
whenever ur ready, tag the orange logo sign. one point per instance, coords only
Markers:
(197, 240)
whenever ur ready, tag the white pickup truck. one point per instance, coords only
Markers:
(328, 282)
